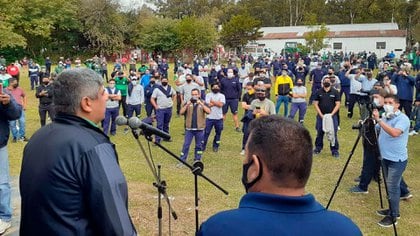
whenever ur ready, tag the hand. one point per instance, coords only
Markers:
(4, 99)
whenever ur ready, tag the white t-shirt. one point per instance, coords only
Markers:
(216, 113)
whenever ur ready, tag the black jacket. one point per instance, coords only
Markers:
(71, 183)
(11, 111)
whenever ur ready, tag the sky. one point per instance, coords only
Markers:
(133, 4)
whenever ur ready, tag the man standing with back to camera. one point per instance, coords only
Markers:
(275, 171)
(77, 188)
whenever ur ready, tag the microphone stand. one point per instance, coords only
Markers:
(159, 184)
(196, 170)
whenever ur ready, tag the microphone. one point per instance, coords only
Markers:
(135, 123)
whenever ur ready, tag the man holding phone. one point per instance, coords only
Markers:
(262, 106)
(44, 93)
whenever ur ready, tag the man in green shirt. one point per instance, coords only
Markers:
(121, 83)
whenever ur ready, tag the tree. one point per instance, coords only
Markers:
(239, 31)
(103, 25)
(197, 35)
(159, 35)
(315, 38)
(8, 15)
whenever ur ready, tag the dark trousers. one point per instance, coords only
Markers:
(133, 108)
(34, 82)
(110, 116)
(189, 135)
(43, 109)
(218, 127)
(407, 106)
(123, 104)
(370, 168)
(298, 106)
(149, 108)
(353, 99)
(315, 88)
(346, 91)
(163, 117)
(245, 130)
(105, 75)
(319, 141)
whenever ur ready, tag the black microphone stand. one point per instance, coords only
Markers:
(159, 184)
(196, 170)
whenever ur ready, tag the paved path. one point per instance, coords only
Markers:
(14, 230)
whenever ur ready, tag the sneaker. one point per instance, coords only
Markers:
(413, 132)
(406, 196)
(4, 226)
(349, 114)
(24, 139)
(215, 149)
(385, 212)
(336, 155)
(387, 221)
(338, 128)
(237, 129)
(357, 189)
(357, 179)
(179, 165)
(242, 152)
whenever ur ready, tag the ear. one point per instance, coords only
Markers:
(86, 105)
(254, 169)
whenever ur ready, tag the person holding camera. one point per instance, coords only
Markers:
(393, 139)
(195, 111)
(405, 84)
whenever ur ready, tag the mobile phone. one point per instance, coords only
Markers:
(257, 108)
(1, 88)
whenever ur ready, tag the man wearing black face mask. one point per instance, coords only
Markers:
(44, 93)
(276, 169)
(262, 106)
(327, 104)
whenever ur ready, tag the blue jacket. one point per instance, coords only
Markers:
(268, 214)
(345, 81)
(231, 88)
(405, 86)
(11, 111)
(71, 183)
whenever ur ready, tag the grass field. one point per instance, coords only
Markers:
(225, 168)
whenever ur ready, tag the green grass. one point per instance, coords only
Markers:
(225, 169)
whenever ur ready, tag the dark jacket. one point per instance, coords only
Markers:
(71, 183)
(11, 111)
(231, 88)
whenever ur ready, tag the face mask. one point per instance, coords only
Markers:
(389, 110)
(327, 84)
(15, 86)
(330, 73)
(261, 97)
(245, 169)
(215, 90)
(299, 84)
(251, 91)
(188, 81)
(45, 82)
(230, 75)
(376, 102)
(152, 82)
(134, 82)
(164, 83)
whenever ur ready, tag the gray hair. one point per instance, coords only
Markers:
(71, 86)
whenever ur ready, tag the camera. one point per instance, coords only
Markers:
(193, 100)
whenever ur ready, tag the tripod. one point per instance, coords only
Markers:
(360, 127)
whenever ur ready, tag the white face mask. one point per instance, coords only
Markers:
(389, 110)
(230, 75)
(134, 82)
(376, 102)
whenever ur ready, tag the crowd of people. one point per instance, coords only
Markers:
(204, 93)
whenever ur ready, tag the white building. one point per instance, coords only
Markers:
(379, 38)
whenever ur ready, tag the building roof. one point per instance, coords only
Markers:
(336, 31)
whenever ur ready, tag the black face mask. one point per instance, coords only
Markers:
(45, 83)
(188, 81)
(245, 169)
(215, 90)
(299, 84)
(261, 98)
(327, 84)
(152, 82)
(15, 86)
(164, 83)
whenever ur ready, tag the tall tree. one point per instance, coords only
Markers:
(9, 13)
(240, 30)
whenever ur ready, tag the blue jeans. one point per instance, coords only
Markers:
(218, 127)
(163, 117)
(393, 174)
(319, 141)
(189, 135)
(5, 193)
(17, 134)
(298, 106)
(282, 99)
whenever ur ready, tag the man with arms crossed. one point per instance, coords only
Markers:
(277, 165)
(70, 182)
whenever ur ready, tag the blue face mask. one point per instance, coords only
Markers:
(245, 169)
